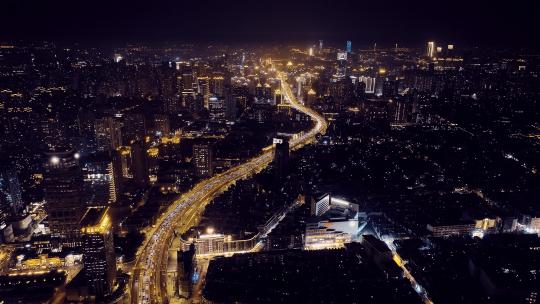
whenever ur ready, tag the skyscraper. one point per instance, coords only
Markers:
(202, 159)
(139, 164)
(62, 186)
(98, 251)
(134, 127)
(278, 98)
(115, 177)
(108, 133)
(281, 157)
(216, 107)
(10, 193)
(230, 107)
(348, 48)
(431, 49)
(162, 124)
(217, 84)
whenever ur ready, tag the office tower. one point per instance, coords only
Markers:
(10, 193)
(52, 133)
(390, 87)
(348, 48)
(116, 179)
(187, 81)
(139, 164)
(431, 49)
(108, 133)
(230, 107)
(217, 84)
(63, 193)
(320, 46)
(202, 159)
(299, 82)
(278, 98)
(216, 108)
(401, 111)
(203, 89)
(263, 92)
(281, 157)
(134, 127)
(188, 99)
(186, 268)
(98, 251)
(311, 96)
(450, 50)
(310, 51)
(162, 124)
(369, 82)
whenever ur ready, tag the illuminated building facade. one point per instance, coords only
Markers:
(202, 160)
(98, 251)
(431, 49)
(108, 132)
(63, 192)
(281, 157)
(334, 223)
(10, 193)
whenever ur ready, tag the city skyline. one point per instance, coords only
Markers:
(280, 152)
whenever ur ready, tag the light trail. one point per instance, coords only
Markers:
(145, 285)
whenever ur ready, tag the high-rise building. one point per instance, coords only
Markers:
(348, 48)
(230, 107)
(369, 82)
(203, 88)
(217, 84)
(108, 133)
(216, 108)
(115, 177)
(311, 97)
(186, 268)
(278, 98)
(134, 127)
(162, 124)
(431, 49)
(320, 46)
(98, 251)
(202, 159)
(139, 164)
(63, 194)
(10, 193)
(281, 157)
(187, 81)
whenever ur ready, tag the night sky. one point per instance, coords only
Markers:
(466, 22)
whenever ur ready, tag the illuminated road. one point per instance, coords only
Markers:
(147, 285)
(407, 274)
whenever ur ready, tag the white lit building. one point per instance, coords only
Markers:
(335, 224)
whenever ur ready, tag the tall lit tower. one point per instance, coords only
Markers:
(431, 49)
(348, 48)
(98, 251)
(63, 193)
(281, 157)
(10, 193)
(202, 159)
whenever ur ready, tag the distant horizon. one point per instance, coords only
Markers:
(335, 43)
(467, 23)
